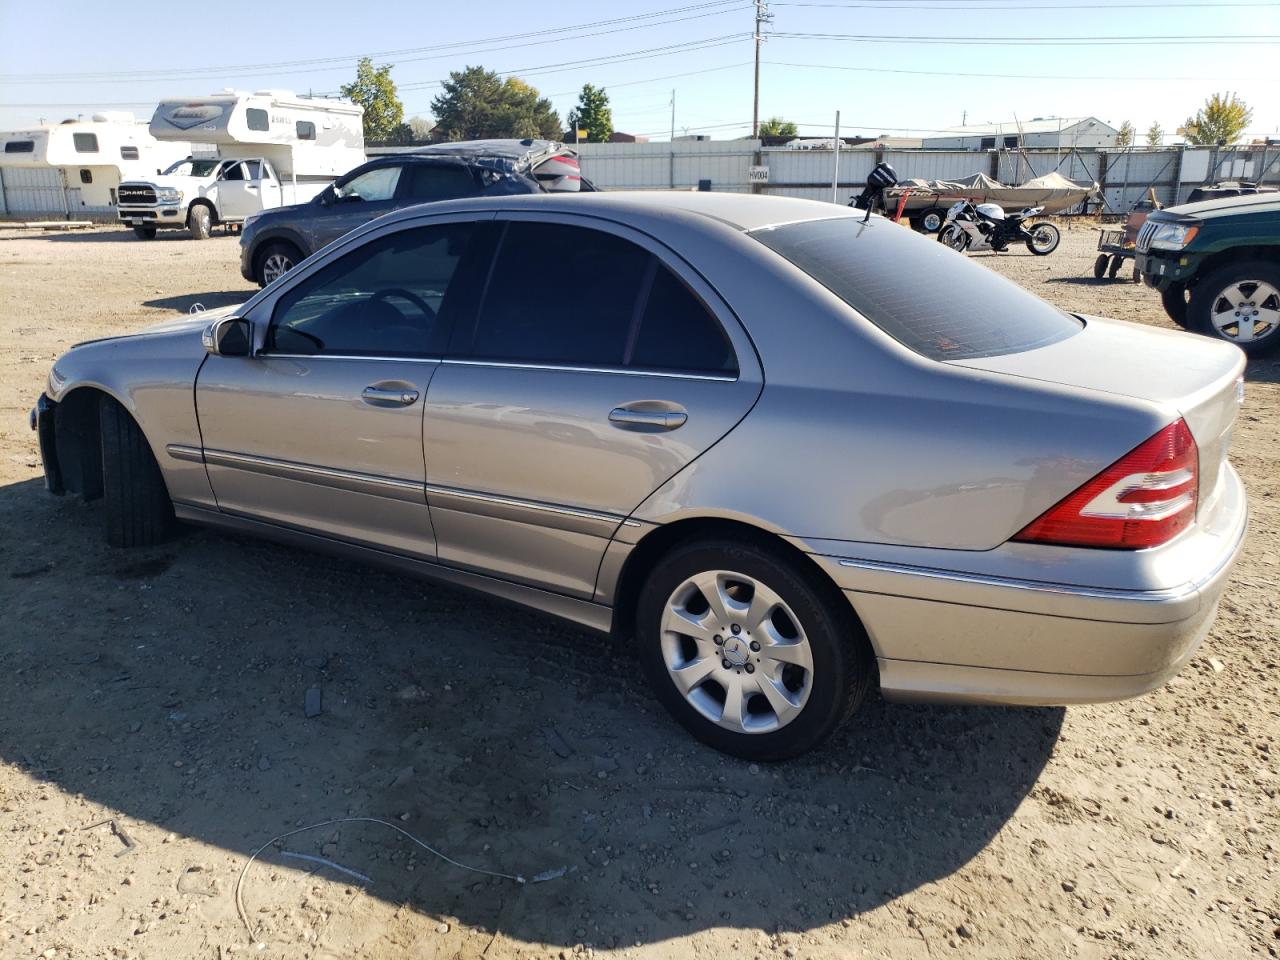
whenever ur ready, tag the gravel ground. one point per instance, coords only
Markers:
(163, 690)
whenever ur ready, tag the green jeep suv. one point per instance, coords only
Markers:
(1217, 266)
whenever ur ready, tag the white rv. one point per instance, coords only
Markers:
(74, 168)
(270, 149)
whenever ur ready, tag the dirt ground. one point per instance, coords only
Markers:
(164, 690)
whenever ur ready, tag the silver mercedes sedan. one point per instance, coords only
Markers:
(787, 454)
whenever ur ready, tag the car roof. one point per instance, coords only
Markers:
(740, 211)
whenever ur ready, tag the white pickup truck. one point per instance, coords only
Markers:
(198, 193)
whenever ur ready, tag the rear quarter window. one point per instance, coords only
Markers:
(928, 298)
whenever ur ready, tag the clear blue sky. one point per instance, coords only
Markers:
(67, 57)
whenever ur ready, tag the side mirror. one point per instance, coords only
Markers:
(228, 337)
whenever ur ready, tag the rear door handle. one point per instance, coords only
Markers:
(388, 397)
(628, 418)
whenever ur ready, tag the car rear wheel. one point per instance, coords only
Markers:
(199, 222)
(136, 501)
(1239, 303)
(275, 260)
(747, 653)
(144, 233)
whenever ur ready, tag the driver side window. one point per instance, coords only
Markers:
(381, 300)
(379, 184)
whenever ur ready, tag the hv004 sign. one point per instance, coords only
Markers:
(758, 174)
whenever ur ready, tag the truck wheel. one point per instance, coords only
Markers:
(1239, 303)
(144, 233)
(1174, 301)
(275, 260)
(931, 220)
(136, 501)
(199, 222)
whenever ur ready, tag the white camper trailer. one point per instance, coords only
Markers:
(271, 149)
(74, 168)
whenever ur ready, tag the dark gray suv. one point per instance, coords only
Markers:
(273, 242)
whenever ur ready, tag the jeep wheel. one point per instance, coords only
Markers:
(1175, 303)
(1239, 303)
(275, 260)
(199, 222)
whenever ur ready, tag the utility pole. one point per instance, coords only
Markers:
(673, 116)
(763, 16)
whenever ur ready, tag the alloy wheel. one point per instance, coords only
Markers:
(275, 267)
(1246, 311)
(736, 652)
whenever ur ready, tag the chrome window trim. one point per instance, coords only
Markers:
(263, 355)
(570, 368)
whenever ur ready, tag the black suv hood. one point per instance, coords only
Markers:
(1222, 206)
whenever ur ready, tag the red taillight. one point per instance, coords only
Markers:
(1144, 499)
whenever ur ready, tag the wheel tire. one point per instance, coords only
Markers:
(842, 666)
(144, 233)
(136, 501)
(1100, 266)
(273, 256)
(1209, 289)
(932, 219)
(1048, 248)
(199, 222)
(1117, 262)
(953, 237)
(1174, 301)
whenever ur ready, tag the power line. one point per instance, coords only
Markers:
(999, 76)
(1152, 40)
(1019, 6)
(317, 65)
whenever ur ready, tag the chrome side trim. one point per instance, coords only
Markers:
(390, 488)
(180, 451)
(593, 616)
(1170, 594)
(620, 371)
(262, 354)
(524, 511)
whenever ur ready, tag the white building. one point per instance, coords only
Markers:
(1055, 133)
(72, 169)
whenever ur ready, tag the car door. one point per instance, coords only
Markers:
(354, 201)
(321, 427)
(240, 190)
(599, 365)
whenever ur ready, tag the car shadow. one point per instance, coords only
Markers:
(167, 686)
(106, 234)
(208, 301)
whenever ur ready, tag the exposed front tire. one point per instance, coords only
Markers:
(1174, 301)
(955, 238)
(144, 233)
(1239, 303)
(1044, 239)
(274, 260)
(199, 222)
(747, 651)
(135, 499)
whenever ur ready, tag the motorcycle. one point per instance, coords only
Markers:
(985, 226)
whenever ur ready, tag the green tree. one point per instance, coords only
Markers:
(1125, 135)
(1155, 135)
(592, 114)
(777, 127)
(478, 104)
(374, 90)
(421, 128)
(1221, 119)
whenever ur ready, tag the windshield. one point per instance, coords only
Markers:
(192, 168)
(925, 296)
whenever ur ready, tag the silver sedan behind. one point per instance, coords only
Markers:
(788, 455)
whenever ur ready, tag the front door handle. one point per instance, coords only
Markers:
(640, 418)
(388, 396)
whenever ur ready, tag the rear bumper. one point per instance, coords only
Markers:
(948, 635)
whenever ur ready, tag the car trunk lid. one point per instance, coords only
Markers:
(1199, 378)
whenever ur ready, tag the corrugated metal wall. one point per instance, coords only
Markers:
(34, 191)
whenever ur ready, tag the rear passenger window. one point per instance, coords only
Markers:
(594, 280)
(428, 182)
(678, 333)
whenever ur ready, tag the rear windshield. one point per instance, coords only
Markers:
(920, 293)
